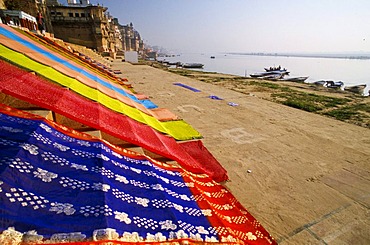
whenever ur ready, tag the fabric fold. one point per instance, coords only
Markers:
(180, 130)
(59, 186)
(69, 104)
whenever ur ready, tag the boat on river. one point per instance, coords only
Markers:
(358, 89)
(332, 84)
(192, 65)
(275, 69)
(267, 74)
(295, 79)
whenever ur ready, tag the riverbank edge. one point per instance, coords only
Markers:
(334, 103)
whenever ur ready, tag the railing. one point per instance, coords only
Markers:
(71, 19)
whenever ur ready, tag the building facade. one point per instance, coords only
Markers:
(18, 18)
(131, 40)
(85, 25)
(82, 23)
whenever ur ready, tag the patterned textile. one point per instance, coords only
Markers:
(61, 186)
(69, 104)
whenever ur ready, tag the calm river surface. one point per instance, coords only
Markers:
(349, 71)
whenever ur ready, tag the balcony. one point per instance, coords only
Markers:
(70, 19)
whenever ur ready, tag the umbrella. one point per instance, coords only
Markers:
(60, 100)
(61, 186)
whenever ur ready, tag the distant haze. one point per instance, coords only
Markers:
(248, 25)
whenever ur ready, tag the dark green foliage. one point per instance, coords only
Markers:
(303, 105)
(308, 101)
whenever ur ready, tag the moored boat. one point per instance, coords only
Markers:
(332, 84)
(192, 65)
(358, 89)
(275, 69)
(273, 77)
(320, 83)
(280, 73)
(295, 79)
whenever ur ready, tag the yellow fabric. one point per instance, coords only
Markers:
(160, 114)
(179, 130)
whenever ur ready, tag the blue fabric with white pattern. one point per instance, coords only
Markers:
(53, 183)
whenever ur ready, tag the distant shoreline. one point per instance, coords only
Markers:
(333, 56)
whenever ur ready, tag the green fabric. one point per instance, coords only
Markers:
(179, 130)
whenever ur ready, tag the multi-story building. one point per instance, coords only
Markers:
(81, 23)
(131, 38)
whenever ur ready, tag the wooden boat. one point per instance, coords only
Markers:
(275, 69)
(358, 89)
(332, 84)
(269, 73)
(192, 65)
(295, 79)
(273, 77)
(320, 83)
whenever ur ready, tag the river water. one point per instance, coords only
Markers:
(349, 71)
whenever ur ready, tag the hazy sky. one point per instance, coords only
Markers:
(248, 25)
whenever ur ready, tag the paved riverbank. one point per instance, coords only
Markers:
(305, 177)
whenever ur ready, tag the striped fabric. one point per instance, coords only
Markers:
(20, 84)
(179, 129)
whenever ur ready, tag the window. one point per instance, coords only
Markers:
(59, 14)
(70, 14)
(83, 15)
(77, 14)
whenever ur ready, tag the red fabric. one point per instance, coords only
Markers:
(35, 90)
(198, 151)
(229, 212)
(172, 242)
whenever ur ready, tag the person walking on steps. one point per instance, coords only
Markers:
(40, 23)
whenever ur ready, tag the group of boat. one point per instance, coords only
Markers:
(358, 89)
(277, 74)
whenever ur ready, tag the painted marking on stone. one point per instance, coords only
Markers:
(166, 94)
(240, 136)
(183, 108)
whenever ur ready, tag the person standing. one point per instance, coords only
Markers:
(40, 23)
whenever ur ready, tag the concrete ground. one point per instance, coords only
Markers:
(305, 177)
